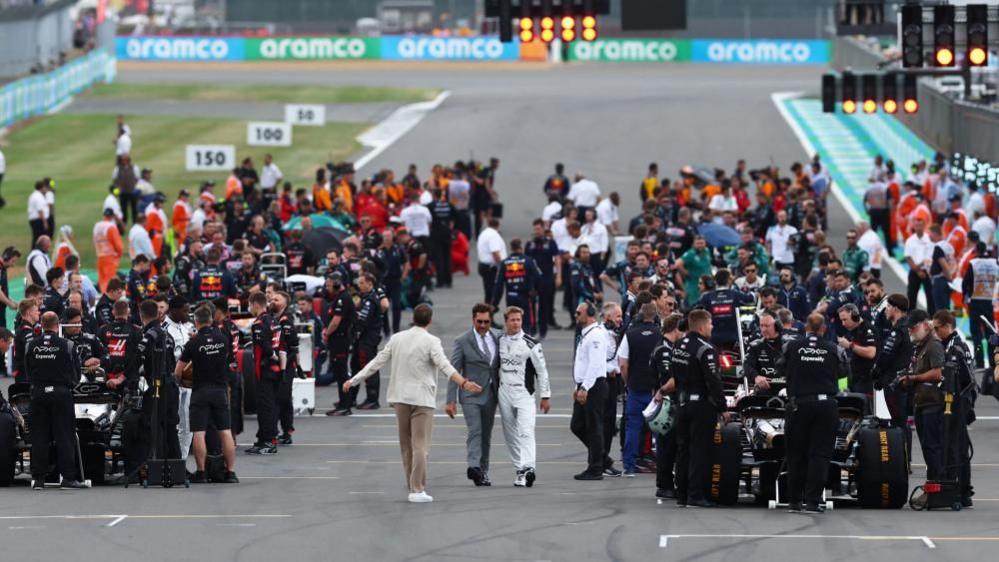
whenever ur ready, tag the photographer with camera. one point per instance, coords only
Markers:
(209, 353)
(924, 378)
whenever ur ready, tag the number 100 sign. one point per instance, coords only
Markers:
(268, 134)
(209, 157)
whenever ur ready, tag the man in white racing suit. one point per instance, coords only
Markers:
(521, 362)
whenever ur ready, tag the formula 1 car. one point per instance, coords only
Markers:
(99, 412)
(869, 463)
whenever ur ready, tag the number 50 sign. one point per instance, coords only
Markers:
(209, 157)
(307, 115)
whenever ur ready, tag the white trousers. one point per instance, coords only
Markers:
(517, 411)
(184, 434)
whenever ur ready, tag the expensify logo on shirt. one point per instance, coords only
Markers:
(180, 48)
(762, 51)
(448, 48)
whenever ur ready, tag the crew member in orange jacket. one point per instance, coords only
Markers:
(107, 241)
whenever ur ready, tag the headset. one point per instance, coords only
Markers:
(591, 310)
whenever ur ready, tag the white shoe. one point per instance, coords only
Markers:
(420, 497)
(521, 480)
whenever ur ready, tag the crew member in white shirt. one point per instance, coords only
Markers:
(607, 213)
(417, 219)
(490, 250)
(139, 241)
(270, 174)
(724, 201)
(870, 242)
(778, 237)
(589, 371)
(551, 210)
(595, 236)
(985, 227)
(522, 373)
(584, 193)
(38, 211)
(919, 257)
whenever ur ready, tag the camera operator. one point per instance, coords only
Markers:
(764, 354)
(694, 365)
(813, 365)
(53, 369)
(209, 353)
(926, 375)
(958, 379)
(861, 347)
(153, 361)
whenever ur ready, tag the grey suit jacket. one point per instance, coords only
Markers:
(468, 359)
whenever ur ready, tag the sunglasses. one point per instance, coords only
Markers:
(482, 322)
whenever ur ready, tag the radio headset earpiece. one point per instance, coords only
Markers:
(591, 310)
(709, 283)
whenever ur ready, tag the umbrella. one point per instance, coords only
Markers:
(321, 240)
(719, 235)
(319, 220)
(702, 174)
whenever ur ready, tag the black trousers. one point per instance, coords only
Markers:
(361, 356)
(811, 434)
(340, 368)
(52, 419)
(463, 223)
(695, 427)
(587, 424)
(38, 228)
(610, 412)
(440, 246)
(268, 388)
(912, 290)
(546, 306)
(286, 410)
(393, 290)
(881, 220)
(488, 275)
(665, 459)
(129, 201)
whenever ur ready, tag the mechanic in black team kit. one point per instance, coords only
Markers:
(209, 353)
(518, 277)
(694, 365)
(812, 368)
(52, 369)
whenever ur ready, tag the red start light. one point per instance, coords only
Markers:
(977, 56)
(568, 22)
(891, 106)
(547, 22)
(547, 35)
(589, 21)
(526, 23)
(910, 106)
(568, 35)
(870, 106)
(849, 106)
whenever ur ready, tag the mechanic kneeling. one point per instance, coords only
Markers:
(209, 352)
(812, 368)
(53, 369)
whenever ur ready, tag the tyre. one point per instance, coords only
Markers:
(882, 477)
(8, 451)
(726, 464)
(249, 382)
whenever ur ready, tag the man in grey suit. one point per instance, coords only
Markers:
(476, 355)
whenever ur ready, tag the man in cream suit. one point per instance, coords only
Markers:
(476, 355)
(417, 357)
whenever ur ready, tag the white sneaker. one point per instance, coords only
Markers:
(521, 480)
(420, 497)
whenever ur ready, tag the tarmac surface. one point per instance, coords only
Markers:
(338, 494)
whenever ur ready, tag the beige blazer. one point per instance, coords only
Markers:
(417, 357)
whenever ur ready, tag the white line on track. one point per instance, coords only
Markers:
(393, 127)
(664, 539)
(117, 520)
